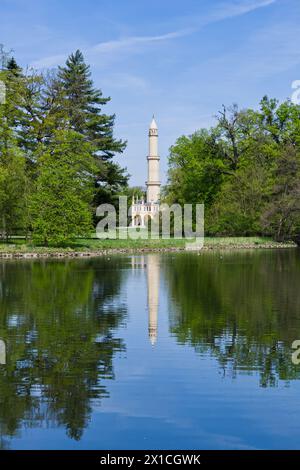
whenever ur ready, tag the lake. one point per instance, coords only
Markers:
(160, 351)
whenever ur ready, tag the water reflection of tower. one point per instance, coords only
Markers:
(153, 295)
(2, 352)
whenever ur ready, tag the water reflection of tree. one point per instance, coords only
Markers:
(58, 319)
(243, 308)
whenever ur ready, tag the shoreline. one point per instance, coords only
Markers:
(70, 253)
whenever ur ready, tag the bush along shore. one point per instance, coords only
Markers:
(84, 248)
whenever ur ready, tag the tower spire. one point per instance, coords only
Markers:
(153, 124)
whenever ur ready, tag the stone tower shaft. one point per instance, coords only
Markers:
(153, 182)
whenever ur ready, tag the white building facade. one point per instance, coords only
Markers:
(142, 210)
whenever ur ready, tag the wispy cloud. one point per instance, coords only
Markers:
(110, 47)
(238, 8)
(129, 42)
(132, 43)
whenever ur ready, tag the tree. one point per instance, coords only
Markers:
(26, 108)
(81, 106)
(240, 170)
(12, 192)
(195, 169)
(14, 81)
(282, 215)
(12, 162)
(237, 210)
(236, 129)
(39, 107)
(60, 206)
(280, 121)
(13, 67)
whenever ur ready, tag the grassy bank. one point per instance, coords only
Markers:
(88, 247)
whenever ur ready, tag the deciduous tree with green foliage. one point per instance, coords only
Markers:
(244, 170)
(56, 150)
(282, 214)
(60, 205)
(196, 168)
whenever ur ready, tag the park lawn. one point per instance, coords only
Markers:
(94, 244)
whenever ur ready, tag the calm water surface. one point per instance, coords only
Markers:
(155, 351)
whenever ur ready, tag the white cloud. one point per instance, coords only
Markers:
(239, 8)
(129, 42)
(111, 47)
(132, 43)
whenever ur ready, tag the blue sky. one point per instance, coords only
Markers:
(178, 59)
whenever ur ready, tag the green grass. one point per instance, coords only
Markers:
(82, 244)
(227, 241)
(16, 245)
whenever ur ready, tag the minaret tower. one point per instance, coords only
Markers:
(153, 183)
(142, 211)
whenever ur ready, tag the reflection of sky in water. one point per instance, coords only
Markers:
(172, 394)
(15, 320)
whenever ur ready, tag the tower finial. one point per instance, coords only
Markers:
(153, 124)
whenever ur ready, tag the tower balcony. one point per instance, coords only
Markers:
(153, 183)
(153, 157)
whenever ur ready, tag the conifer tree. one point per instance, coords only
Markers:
(12, 161)
(12, 179)
(13, 67)
(82, 104)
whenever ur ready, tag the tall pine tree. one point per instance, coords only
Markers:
(82, 104)
(12, 168)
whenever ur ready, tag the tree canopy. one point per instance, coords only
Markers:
(57, 149)
(245, 170)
